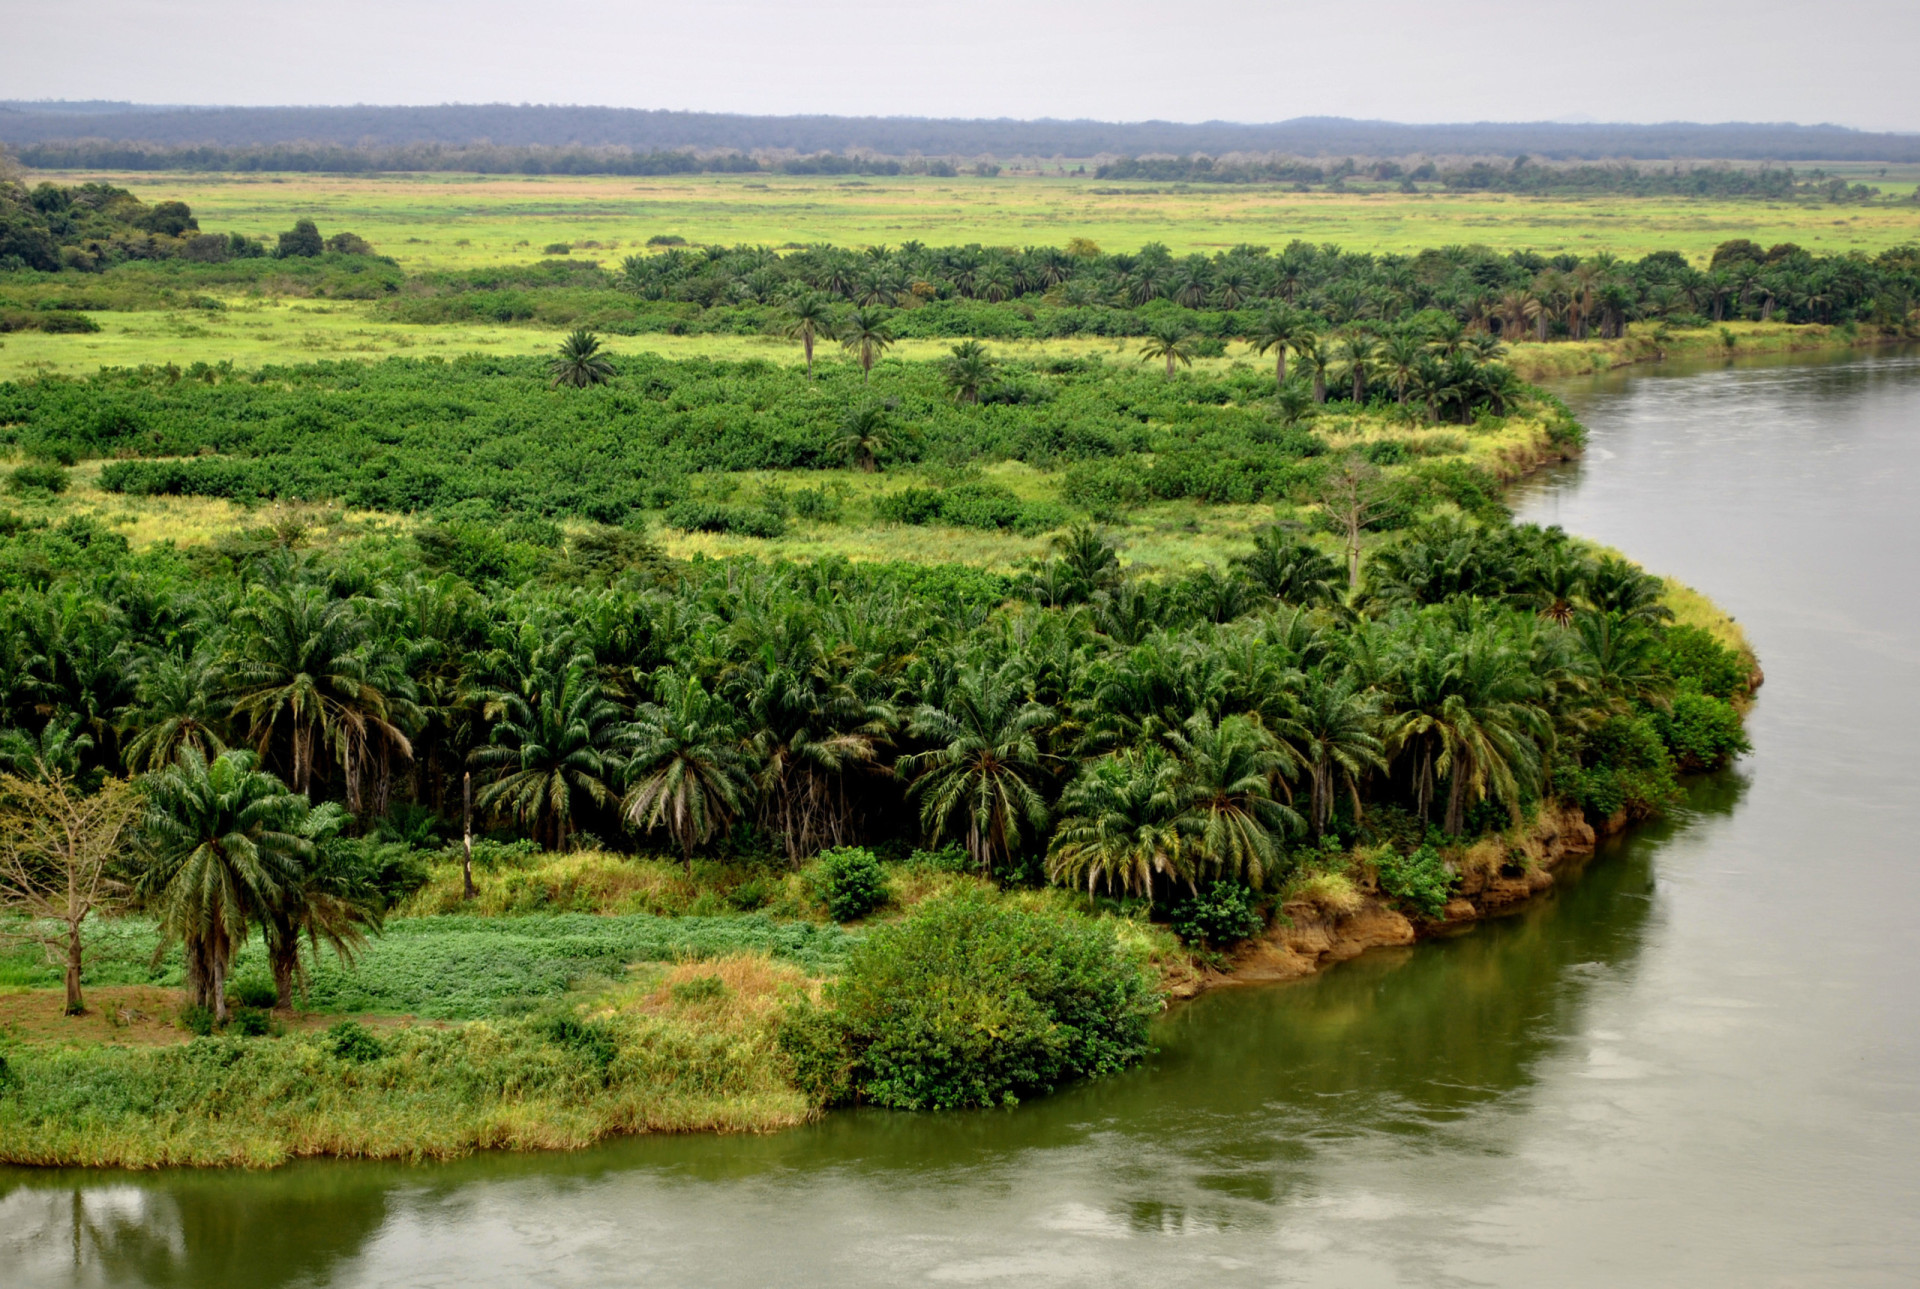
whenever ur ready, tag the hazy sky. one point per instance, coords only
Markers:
(1845, 61)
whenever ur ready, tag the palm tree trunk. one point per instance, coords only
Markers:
(1280, 368)
(806, 342)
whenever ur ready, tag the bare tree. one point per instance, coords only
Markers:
(1352, 497)
(57, 851)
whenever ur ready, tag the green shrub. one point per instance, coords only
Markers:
(714, 517)
(196, 1019)
(251, 1022)
(1627, 767)
(1420, 881)
(948, 859)
(1701, 731)
(593, 1039)
(850, 882)
(970, 1002)
(352, 1041)
(252, 991)
(1217, 917)
(62, 323)
(37, 477)
(1692, 654)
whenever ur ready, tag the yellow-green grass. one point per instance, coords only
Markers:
(468, 221)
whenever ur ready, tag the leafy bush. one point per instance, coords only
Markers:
(591, 1038)
(196, 1019)
(713, 517)
(948, 859)
(1218, 916)
(1421, 881)
(251, 1022)
(850, 882)
(352, 1041)
(252, 991)
(1627, 767)
(1702, 732)
(37, 477)
(1692, 654)
(971, 1002)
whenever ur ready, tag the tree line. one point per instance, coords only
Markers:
(289, 715)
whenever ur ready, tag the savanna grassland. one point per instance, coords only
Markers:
(470, 221)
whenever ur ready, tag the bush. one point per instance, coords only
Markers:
(196, 1019)
(973, 1003)
(1420, 881)
(1701, 732)
(63, 323)
(1692, 654)
(1217, 917)
(594, 1039)
(37, 478)
(948, 859)
(352, 1041)
(251, 1022)
(713, 517)
(252, 991)
(850, 882)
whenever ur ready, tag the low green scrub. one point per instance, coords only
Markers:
(973, 1002)
(970, 505)
(850, 882)
(457, 967)
(1420, 881)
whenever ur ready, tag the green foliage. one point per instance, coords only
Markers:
(970, 1002)
(196, 1018)
(969, 505)
(594, 1040)
(1702, 732)
(1218, 916)
(1626, 767)
(251, 991)
(251, 1022)
(1421, 881)
(352, 1041)
(701, 989)
(1693, 655)
(716, 517)
(850, 882)
(37, 478)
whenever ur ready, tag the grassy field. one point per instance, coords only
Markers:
(467, 221)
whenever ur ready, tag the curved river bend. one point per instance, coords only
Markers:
(1697, 1064)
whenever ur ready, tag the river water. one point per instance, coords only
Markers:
(1697, 1063)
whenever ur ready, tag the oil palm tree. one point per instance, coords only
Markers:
(1290, 568)
(983, 775)
(1358, 351)
(1331, 727)
(967, 370)
(224, 847)
(1317, 358)
(57, 752)
(1231, 774)
(809, 316)
(1400, 359)
(865, 435)
(174, 707)
(308, 681)
(1119, 826)
(579, 363)
(686, 769)
(554, 736)
(1278, 330)
(866, 335)
(330, 900)
(1170, 340)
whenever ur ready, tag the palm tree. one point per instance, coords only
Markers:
(1400, 360)
(554, 735)
(580, 362)
(967, 370)
(1294, 405)
(331, 900)
(1357, 352)
(1090, 556)
(307, 679)
(1331, 726)
(864, 435)
(173, 707)
(866, 335)
(223, 849)
(1229, 772)
(1169, 340)
(56, 753)
(1119, 827)
(1317, 358)
(984, 769)
(1290, 568)
(686, 771)
(809, 317)
(1278, 329)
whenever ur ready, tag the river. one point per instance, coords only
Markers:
(1696, 1063)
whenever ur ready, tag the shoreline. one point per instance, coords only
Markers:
(1537, 362)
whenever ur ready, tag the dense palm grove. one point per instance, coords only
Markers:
(296, 714)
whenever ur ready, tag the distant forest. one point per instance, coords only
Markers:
(31, 126)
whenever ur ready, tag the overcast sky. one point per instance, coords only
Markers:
(1845, 61)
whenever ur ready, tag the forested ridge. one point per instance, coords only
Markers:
(666, 131)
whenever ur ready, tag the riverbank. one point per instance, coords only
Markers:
(1657, 342)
